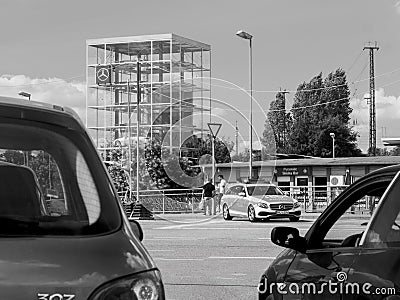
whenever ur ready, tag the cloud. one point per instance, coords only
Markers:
(387, 116)
(51, 90)
(397, 7)
(218, 111)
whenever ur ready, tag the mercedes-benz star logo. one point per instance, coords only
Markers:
(103, 74)
(281, 206)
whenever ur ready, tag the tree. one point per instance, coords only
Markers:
(202, 146)
(169, 171)
(321, 107)
(395, 151)
(42, 164)
(13, 156)
(242, 156)
(276, 126)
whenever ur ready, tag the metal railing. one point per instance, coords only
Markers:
(165, 201)
(311, 198)
(317, 198)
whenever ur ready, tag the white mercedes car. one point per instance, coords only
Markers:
(258, 201)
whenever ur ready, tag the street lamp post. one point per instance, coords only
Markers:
(247, 36)
(138, 99)
(333, 144)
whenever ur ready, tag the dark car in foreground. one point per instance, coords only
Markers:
(335, 260)
(63, 233)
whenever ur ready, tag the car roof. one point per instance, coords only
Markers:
(40, 112)
(389, 169)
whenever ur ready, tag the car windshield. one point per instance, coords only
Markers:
(47, 186)
(262, 190)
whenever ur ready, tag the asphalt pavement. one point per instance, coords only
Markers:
(206, 257)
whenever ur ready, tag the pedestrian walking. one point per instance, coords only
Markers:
(208, 194)
(221, 191)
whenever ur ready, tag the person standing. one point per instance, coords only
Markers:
(208, 194)
(221, 191)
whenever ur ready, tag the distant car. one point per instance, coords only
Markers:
(258, 201)
(338, 260)
(63, 233)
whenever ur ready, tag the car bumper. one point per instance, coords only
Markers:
(264, 213)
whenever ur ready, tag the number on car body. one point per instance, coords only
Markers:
(55, 296)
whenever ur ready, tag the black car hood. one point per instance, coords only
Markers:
(29, 266)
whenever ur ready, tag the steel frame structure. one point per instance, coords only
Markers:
(175, 84)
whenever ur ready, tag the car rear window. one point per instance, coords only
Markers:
(51, 183)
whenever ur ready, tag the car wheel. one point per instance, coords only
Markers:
(225, 213)
(251, 214)
(294, 219)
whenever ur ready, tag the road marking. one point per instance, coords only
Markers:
(216, 257)
(224, 278)
(156, 250)
(179, 259)
(181, 239)
(216, 228)
(267, 239)
(239, 274)
(176, 238)
(195, 223)
(241, 257)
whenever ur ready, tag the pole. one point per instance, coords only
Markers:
(237, 138)
(333, 147)
(251, 111)
(138, 75)
(129, 142)
(372, 111)
(213, 174)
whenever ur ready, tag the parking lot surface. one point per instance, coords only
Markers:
(209, 258)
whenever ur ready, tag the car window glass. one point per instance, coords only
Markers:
(384, 230)
(45, 181)
(348, 229)
(262, 190)
(237, 189)
(228, 191)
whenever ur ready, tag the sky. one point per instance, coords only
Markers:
(42, 50)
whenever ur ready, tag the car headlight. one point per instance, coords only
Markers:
(296, 204)
(262, 204)
(142, 286)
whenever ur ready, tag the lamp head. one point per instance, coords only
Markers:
(244, 35)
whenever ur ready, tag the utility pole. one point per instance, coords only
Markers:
(283, 140)
(372, 112)
(237, 138)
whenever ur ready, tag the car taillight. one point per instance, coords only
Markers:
(142, 286)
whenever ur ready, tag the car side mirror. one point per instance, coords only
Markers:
(137, 229)
(242, 194)
(289, 237)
